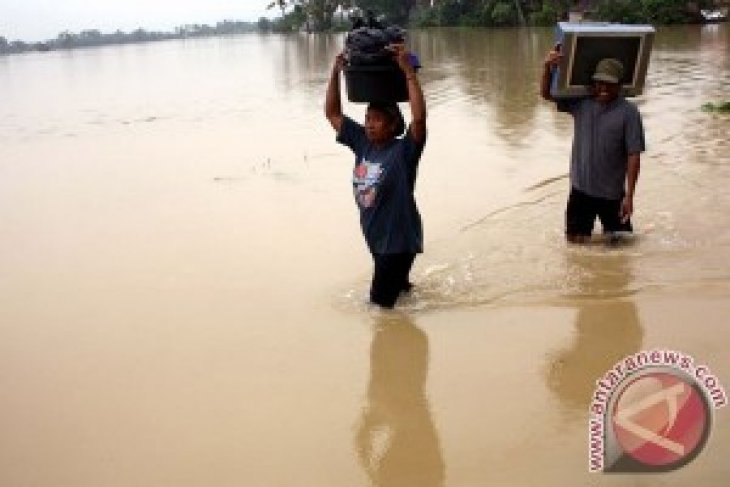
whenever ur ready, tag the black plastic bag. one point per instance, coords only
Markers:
(366, 46)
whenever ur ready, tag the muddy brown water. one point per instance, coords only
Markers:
(182, 276)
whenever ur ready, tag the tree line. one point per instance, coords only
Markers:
(335, 15)
(93, 37)
(321, 15)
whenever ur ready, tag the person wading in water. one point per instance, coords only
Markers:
(607, 143)
(384, 177)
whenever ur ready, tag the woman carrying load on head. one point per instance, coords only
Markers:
(384, 177)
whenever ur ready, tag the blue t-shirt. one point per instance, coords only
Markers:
(383, 181)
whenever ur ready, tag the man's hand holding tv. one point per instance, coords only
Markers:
(553, 57)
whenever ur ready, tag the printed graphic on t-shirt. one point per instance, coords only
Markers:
(365, 181)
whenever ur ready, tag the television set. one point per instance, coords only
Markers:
(584, 44)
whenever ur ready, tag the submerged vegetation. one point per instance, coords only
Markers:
(722, 107)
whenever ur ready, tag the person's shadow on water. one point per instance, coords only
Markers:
(396, 440)
(607, 326)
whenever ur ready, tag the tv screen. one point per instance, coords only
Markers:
(589, 50)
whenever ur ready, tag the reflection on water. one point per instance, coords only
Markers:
(496, 72)
(607, 326)
(305, 61)
(396, 439)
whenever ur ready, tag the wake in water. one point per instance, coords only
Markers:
(515, 254)
(518, 255)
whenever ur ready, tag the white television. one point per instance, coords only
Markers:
(584, 44)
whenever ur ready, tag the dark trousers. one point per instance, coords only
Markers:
(582, 210)
(390, 278)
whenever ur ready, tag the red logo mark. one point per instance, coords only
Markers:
(659, 419)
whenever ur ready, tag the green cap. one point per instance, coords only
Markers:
(609, 70)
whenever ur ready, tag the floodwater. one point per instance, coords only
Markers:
(183, 281)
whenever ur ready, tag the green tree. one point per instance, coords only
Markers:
(641, 11)
(281, 4)
(623, 11)
(91, 37)
(503, 14)
(449, 12)
(320, 13)
(312, 14)
(398, 12)
(139, 34)
(665, 11)
(18, 46)
(547, 14)
(66, 39)
(264, 24)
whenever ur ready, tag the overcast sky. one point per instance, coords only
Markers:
(37, 20)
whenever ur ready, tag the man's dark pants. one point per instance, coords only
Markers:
(583, 209)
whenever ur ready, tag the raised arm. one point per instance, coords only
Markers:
(332, 103)
(415, 94)
(551, 62)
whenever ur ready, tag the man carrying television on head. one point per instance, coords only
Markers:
(605, 159)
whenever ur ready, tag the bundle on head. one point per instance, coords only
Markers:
(366, 44)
